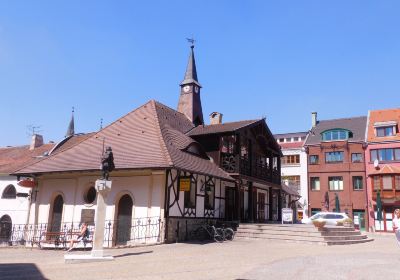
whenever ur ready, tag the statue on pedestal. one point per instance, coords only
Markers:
(107, 163)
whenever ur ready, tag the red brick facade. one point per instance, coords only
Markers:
(349, 198)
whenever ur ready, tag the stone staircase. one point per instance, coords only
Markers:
(329, 235)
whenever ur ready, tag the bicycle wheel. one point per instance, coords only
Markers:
(219, 235)
(198, 234)
(229, 234)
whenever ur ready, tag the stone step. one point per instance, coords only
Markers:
(328, 235)
(345, 237)
(277, 235)
(349, 242)
(308, 240)
(288, 239)
(338, 233)
(277, 232)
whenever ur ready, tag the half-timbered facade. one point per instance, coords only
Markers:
(249, 153)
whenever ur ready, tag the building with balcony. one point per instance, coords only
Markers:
(383, 165)
(335, 150)
(249, 153)
(294, 168)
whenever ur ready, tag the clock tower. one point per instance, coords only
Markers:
(189, 100)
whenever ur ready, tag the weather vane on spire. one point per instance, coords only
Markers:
(191, 41)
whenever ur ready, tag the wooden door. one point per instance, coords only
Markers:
(124, 219)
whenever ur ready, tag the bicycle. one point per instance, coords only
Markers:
(205, 230)
(229, 234)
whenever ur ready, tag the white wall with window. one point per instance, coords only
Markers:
(14, 200)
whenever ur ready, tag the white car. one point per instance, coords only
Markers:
(331, 218)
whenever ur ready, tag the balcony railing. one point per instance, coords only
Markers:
(149, 230)
(233, 163)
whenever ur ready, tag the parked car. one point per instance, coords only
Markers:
(331, 218)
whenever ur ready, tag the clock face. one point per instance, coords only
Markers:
(186, 88)
(196, 89)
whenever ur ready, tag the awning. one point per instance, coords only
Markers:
(386, 169)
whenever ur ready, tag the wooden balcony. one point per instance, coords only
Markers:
(233, 163)
(387, 194)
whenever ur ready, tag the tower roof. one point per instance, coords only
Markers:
(71, 126)
(191, 72)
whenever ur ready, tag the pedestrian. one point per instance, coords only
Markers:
(83, 233)
(396, 224)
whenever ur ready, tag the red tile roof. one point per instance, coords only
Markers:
(13, 158)
(152, 136)
(377, 116)
(291, 145)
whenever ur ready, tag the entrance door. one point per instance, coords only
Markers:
(124, 219)
(56, 216)
(230, 204)
(261, 207)
(5, 228)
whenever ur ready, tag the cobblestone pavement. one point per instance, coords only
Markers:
(240, 259)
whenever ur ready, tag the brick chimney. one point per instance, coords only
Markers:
(314, 120)
(37, 141)
(215, 118)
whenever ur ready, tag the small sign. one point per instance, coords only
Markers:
(184, 184)
(87, 216)
(287, 215)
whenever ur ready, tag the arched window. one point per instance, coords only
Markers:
(90, 195)
(9, 192)
(5, 228)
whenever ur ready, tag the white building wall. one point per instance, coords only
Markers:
(16, 208)
(145, 191)
(298, 170)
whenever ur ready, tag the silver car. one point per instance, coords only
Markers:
(331, 218)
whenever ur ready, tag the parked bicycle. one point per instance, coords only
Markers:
(229, 234)
(206, 231)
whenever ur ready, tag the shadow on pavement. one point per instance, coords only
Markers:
(20, 271)
(133, 254)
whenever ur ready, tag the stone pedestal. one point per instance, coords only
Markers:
(97, 253)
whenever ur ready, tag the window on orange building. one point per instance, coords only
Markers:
(397, 182)
(387, 182)
(314, 159)
(335, 183)
(377, 182)
(357, 183)
(314, 183)
(384, 131)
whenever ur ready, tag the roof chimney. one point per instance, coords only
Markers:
(37, 141)
(215, 118)
(314, 120)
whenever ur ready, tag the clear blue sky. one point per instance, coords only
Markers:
(278, 59)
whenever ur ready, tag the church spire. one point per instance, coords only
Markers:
(189, 100)
(71, 126)
(191, 72)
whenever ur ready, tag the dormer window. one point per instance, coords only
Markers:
(336, 134)
(384, 129)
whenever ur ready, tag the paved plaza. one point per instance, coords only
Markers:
(240, 259)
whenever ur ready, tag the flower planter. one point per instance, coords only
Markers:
(319, 224)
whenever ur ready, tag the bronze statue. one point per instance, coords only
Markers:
(107, 163)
